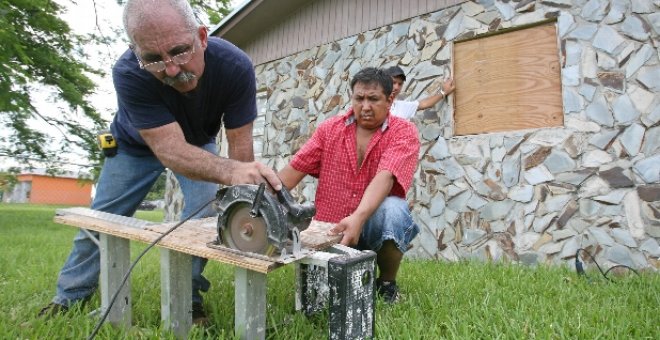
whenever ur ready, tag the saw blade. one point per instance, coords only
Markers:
(246, 233)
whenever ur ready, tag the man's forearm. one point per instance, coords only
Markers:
(374, 195)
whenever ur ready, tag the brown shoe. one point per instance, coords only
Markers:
(199, 317)
(52, 309)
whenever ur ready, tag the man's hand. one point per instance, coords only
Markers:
(350, 227)
(448, 86)
(254, 173)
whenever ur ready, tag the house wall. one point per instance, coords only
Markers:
(531, 196)
(52, 190)
(323, 21)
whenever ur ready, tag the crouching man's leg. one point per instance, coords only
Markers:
(388, 232)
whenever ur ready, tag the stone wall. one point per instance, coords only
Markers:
(532, 196)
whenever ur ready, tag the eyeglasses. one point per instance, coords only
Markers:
(159, 66)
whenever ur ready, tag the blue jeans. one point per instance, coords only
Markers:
(124, 182)
(391, 221)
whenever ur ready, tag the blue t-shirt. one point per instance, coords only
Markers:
(225, 94)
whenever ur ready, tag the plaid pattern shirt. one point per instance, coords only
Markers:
(331, 156)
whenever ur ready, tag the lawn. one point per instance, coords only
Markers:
(441, 300)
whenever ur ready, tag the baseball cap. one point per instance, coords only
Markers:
(396, 71)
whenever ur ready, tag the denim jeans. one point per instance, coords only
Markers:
(391, 221)
(124, 182)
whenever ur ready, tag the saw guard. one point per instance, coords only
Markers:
(269, 211)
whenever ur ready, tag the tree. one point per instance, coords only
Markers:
(41, 57)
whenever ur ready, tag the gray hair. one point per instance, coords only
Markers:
(136, 11)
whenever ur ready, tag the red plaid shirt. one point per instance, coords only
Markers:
(331, 156)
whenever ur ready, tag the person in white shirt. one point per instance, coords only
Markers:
(407, 109)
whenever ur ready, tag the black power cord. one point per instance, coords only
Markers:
(580, 269)
(128, 273)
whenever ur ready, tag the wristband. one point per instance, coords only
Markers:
(444, 95)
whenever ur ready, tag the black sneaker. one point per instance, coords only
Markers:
(52, 309)
(388, 291)
(199, 317)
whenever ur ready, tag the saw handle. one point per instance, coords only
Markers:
(294, 208)
(254, 212)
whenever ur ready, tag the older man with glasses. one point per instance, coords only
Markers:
(175, 88)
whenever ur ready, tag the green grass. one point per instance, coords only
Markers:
(441, 300)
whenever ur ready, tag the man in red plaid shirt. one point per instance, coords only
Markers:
(364, 161)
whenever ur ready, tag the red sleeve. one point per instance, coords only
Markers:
(401, 155)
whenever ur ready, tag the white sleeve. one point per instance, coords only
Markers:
(404, 109)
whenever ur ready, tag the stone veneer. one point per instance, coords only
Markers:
(532, 196)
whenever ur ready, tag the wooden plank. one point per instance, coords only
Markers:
(190, 238)
(510, 81)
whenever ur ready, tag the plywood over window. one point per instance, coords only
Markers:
(508, 81)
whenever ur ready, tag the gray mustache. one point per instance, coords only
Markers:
(182, 77)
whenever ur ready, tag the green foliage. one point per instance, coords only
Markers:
(213, 10)
(40, 54)
(464, 300)
(157, 191)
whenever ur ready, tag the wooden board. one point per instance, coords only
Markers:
(189, 238)
(508, 81)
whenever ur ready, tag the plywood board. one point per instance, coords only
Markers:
(509, 81)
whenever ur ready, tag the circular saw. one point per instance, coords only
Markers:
(254, 220)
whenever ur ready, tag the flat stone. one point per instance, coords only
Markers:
(551, 248)
(543, 223)
(558, 3)
(584, 31)
(631, 205)
(471, 9)
(451, 168)
(636, 28)
(648, 169)
(575, 177)
(623, 237)
(565, 23)
(472, 236)
(607, 62)
(654, 18)
(569, 249)
(580, 125)
(437, 206)
(570, 75)
(570, 209)
(651, 247)
(602, 139)
(618, 9)
(620, 255)
(522, 193)
(559, 161)
(537, 157)
(616, 178)
(459, 202)
(599, 112)
(631, 139)
(650, 77)
(595, 158)
(496, 210)
(440, 150)
(572, 101)
(511, 170)
(577, 224)
(649, 192)
(506, 10)
(594, 10)
(587, 90)
(643, 6)
(593, 186)
(589, 62)
(556, 203)
(476, 202)
(624, 110)
(651, 143)
(624, 53)
(614, 81)
(613, 197)
(607, 39)
(654, 116)
(537, 175)
(638, 60)
(601, 236)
